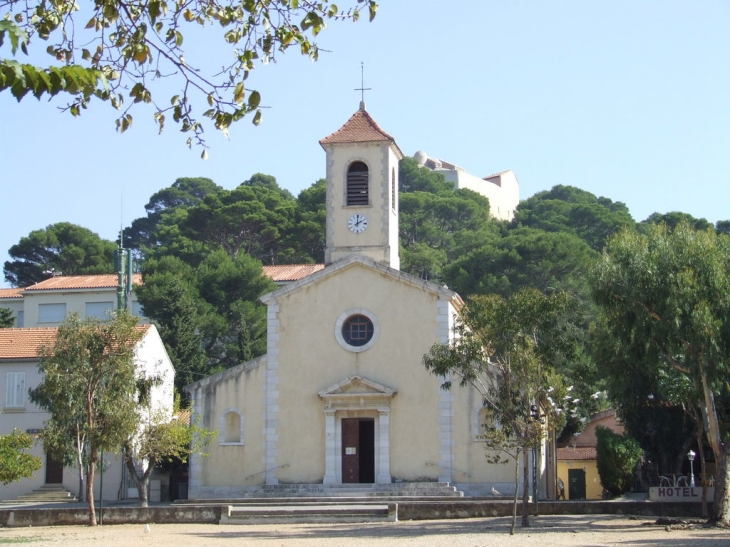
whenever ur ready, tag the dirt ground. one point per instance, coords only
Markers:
(548, 531)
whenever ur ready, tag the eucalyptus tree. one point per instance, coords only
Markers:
(88, 388)
(505, 349)
(665, 295)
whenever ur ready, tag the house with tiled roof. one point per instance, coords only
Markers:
(20, 350)
(577, 460)
(48, 302)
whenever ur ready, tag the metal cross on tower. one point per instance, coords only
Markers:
(362, 87)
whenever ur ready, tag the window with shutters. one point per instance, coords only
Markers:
(99, 310)
(357, 184)
(15, 390)
(51, 313)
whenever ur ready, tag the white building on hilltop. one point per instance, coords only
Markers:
(502, 189)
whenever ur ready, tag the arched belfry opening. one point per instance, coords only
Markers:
(357, 184)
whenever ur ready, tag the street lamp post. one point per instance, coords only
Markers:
(691, 457)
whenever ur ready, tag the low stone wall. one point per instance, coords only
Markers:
(477, 509)
(182, 514)
(57, 516)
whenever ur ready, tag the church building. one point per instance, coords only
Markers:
(341, 396)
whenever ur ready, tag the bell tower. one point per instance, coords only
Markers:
(362, 191)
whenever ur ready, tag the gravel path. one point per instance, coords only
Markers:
(548, 531)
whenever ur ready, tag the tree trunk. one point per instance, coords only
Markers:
(140, 482)
(721, 503)
(703, 470)
(80, 464)
(90, 487)
(526, 486)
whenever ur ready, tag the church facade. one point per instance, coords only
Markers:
(342, 396)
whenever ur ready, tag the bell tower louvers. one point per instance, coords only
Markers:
(362, 191)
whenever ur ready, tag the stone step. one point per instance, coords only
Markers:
(49, 493)
(310, 513)
(340, 492)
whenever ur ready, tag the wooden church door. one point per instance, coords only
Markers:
(358, 450)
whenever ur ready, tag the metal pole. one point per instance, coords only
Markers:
(101, 491)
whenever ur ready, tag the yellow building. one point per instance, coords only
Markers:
(342, 396)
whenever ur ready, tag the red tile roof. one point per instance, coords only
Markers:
(66, 282)
(10, 293)
(577, 453)
(291, 272)
(359, 128)
(25, 343)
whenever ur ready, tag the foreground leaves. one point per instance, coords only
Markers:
(125, 49)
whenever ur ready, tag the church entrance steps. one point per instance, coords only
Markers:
(416, 490)
(48, 493)
(309, 513)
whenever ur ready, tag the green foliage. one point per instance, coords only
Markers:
(436, 222)
(569, 209)
(15, 464)
(649, 396)
(665, 297)
(505, 349)
(126, 48)
(88, 387)
(144, 233)
(7, 320)
(60, 248)
(209, 315)
(673, 219)
(162, 439)
(524, 257)
(173, 303)
(618, 456)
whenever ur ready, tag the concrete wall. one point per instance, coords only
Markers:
(182, 514)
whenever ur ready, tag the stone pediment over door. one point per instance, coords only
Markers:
(357, 391)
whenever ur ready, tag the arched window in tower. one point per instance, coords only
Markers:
(357, 184)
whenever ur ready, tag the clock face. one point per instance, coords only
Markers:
(357, 223)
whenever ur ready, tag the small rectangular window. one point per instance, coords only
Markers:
(51, 313)
(99, 310)
(20, 321)
(15, 390)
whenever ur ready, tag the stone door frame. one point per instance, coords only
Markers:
(357, 397)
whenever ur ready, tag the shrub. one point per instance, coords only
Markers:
(618, 456)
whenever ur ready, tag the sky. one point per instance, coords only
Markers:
(627, 99)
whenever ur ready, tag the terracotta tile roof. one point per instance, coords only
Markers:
(577, 453)
(24, 343)
(66, 282)
(291, 272)
(10, 293)
(359, 128)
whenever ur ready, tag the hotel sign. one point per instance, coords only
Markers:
(679, 493)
